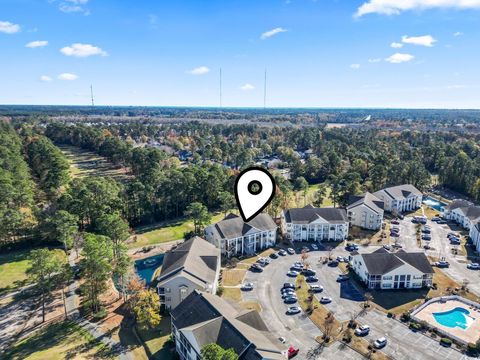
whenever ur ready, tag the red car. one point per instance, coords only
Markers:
(292, 352)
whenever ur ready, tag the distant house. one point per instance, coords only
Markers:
(463, 213)
(203, 319)
(475, 235)
(193, 265)
(234, 237)
(315, 224)
(382, 269)
(401, 198)
(366, 211)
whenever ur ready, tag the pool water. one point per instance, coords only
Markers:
(145, 268)
(458, 317)
(434, 203)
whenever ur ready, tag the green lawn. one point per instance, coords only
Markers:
(298, 200)
(13, 270)
(156, 340)
(168, 232)
(13, 267)
(60, 341)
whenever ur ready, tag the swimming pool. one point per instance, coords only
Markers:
(434, 203)
(458, 317)
(145, 268)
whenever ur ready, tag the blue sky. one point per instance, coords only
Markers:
(323, 53)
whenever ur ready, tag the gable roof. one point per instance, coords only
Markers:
(196, 259)
(233, 226)
(369, 200)
(399, 191)
(209, 319)
(382, 261)
(469, 209)
(309, 214)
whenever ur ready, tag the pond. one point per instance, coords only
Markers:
(145, 268)
(434, 203)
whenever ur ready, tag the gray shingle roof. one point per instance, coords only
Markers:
(309, 214)
(195, 257)
(400, 191)
(232, 226)
(369, 200)
(382, 262)
(211, 319)
(470, 210)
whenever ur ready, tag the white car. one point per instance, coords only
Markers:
(292, 273)
(291, 251)
(325, 300)
(314, 247)
(292, 310)
(473, 266)
(380, 343)
(247, 287)
(340, 258)
(282, 340)
(316, 288)
(362, 330)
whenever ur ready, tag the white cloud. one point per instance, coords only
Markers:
(375, 60)
(396, 45)
(247, 87)
(72, 6)
(398, 58)
(82, 50)
(201, 70)
(67, 77)
(7, 27)
(36, 44)
(395, 7)
(273, 32)
(355, 66)
(425, 40)
(458, 33)
(45, 78)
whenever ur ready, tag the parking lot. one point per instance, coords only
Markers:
(346, 299)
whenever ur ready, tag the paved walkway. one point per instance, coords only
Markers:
(95, 330)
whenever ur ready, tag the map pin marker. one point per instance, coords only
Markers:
(254, 189)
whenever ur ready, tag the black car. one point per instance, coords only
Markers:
(288, 286)
(290, 300)
(256, 268)
(333, 263)
(311, 279)
(308, 272)
(274, 255)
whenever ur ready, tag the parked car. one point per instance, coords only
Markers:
(309, 272)
(291, 251)
(436, 218)
(289, 294)
(292, 352)
(473, 266)
(282, 340)
(395, 222)
(342, 277)
(394, 234)
(247, 287)
(292, 310)
(351, 247)
(282, 252)
(442, 264)
(290, 300)
(325, 300)
(426, 237)
(274, 255)
(426, 231)
(333, 263)
(316, 288)
(340, 259)
(314, 247)
(454, 234)
(311, 279)
(296, 268)
(256, 268)
(441, 222)
(387, 247)
(397, 246)
(288, 286)
(362, 330)
(380, 343)
(305, 249)
(292, 273)
(426, 247)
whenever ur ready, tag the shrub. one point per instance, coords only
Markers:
(405, 317)
(414, 326)
(390, 314)
(445, 342)
(472, 348)
(220, 291)
(102, 313)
